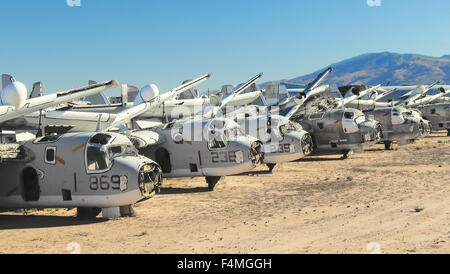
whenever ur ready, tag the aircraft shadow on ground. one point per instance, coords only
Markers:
(177, 190)
(33, 221)
(376, 150)
(313, 159)
(436, 136)
(258, 172)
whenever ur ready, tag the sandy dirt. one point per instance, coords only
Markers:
(376, 201)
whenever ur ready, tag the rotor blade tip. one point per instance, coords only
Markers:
(114, 83)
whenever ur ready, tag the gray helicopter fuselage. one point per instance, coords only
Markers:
(396, 125)
(179, 155)
(331, 134)
(192, 148)
(438, 114)
(282, 140)
(77, 170)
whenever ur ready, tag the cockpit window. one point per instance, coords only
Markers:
(349, 115)
(97, 158)
(101, 139)
(121, 150)
(360, 119)
(234, 132)
(316, 116)
(48, 139)
(288, 127)
(217, 140)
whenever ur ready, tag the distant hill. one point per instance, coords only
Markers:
(380, 68)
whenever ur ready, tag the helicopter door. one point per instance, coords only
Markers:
(397, 117)
(348, 124)
(162, 157)
(30, 185)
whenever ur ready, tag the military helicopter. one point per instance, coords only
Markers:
(78, 116)
(335, 129)
(92, 171)
(283, 140)
(423, 102)
(397, 123)
(190, 156)
(438, 114)
(205, 145)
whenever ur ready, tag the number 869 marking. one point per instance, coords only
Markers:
(105, 183)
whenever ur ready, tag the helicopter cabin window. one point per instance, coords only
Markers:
(48, 139)
(50, 155)
(316, 116)
(97, 159)
(216, 141)
(101, 139)
(349, 115)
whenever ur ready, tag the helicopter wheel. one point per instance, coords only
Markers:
(388, 145)
(88, 212)
(212, 181)
(271, 167)
(345, 155)
(127, 211)
(157, 189)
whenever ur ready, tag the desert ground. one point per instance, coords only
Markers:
(377, 201)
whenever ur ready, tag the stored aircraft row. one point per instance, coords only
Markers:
(81, 149)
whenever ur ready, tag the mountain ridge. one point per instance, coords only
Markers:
(383, 67)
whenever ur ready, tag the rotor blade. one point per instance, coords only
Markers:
(386, 94)
(352, 98)
(316, 82)
(229, 97)
(370, 103)
(180, 89)
(55, 99)
(428, 99)
(127, 114)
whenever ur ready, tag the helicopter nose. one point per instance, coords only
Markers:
(256, 154)
(307, 144)
(378, 133)
(422, 128)
(149, 179)
(371, 132)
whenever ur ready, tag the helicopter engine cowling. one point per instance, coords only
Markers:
(14, 94)
(146, 94)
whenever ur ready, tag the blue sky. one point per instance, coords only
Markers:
(166, 42)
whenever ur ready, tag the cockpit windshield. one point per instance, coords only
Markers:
(100, 157)
(121, 150)
(360, 119)
(233, 132)
(97, 158)
(289, 127)
(217, 139)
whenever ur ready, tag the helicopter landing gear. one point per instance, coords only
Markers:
(388, 145)
(212, 181)
(345, 155)
(271, 167)
(88, 212)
